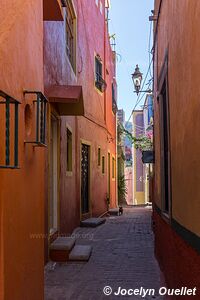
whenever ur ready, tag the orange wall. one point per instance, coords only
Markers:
(178, 30)
(22, 190)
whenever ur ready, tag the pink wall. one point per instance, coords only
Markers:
(92, 128)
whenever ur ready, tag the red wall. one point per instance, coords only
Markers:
(178, 261)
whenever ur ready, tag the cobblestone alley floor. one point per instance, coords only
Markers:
(122, 256)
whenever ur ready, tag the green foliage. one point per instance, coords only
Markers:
(122, 189)
(143, 142)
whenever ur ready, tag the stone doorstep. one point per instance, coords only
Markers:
(92, 222)
(63, 243)
(80, 253)
(60, 248)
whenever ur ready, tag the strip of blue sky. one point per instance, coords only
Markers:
(130, 22)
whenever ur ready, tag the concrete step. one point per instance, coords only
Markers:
(92, 222)
(80, 253)
(60, 248)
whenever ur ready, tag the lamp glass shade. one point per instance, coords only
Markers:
(137, 78)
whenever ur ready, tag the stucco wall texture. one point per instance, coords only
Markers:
(179, 20)
(98, 127)
(21, 190)
(39, 59)
(178, 31)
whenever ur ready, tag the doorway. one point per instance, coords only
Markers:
(165, 149)
(85, 178)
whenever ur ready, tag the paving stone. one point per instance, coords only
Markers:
(93, 222)
(122, 255)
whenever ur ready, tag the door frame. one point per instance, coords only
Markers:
(83, 216)
(109, 169)
(54, 114)
(163, 80)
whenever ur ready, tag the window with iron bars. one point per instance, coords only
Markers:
(9, 108)
(99, 82)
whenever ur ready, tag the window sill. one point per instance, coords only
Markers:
(98, 91)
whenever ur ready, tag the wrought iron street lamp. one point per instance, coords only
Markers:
(137, 80)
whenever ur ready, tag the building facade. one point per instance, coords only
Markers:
(121, 116)
(148, 132)
(58, 131)
(129, 164)
(138, 167)
(87, 123)
(176, 124)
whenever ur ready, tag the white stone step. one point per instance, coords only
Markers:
(92, 222)
(63, 243)
(80, 253)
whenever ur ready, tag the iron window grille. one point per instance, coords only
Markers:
(41, 112)
(8, 101)
(99, 81)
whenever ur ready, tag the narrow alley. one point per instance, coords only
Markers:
(99, 149)
(122, 256)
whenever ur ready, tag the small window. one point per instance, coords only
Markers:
(71, 33)
(99, 156)
(113, 167)
(69, 151)
(99, 82)
(103, 164)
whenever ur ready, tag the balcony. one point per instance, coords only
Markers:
(40, 107)
(52, 10)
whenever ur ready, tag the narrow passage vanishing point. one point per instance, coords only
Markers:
(122, 257)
